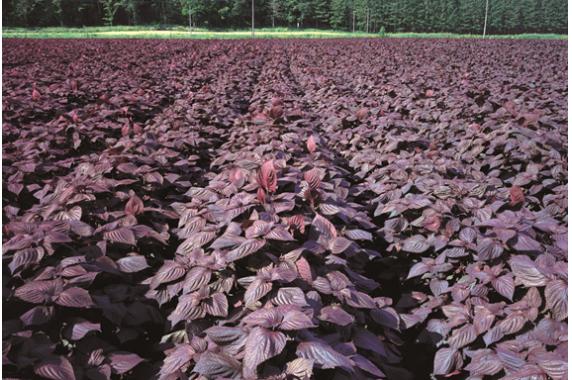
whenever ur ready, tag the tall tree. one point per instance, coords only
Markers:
(458, 16)
(23, 9)
(132, 7)
(339, 14)
(58, 11)
(110, 8)
(276, 10)
(322, 12)
(187, 9)
(298, 11)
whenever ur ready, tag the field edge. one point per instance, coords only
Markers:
(276, 33)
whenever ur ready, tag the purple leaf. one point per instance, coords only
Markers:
(122, 362)
(483, 319)
(525, 243)
(463, 336)
(468, 235)
(525, 271)
(416, 244)
(122, 235)
(262, 344)
(323, 355)
(418, 270)
(387, 317)
(256, 290)
(246, 248)
(512, 324)
(259, 228)
(74, 297)
(38, 315)
(216, 305)
(358, 235)
(504, 285)
(25, 258)
(493, 335)
(339, 245)
(79, 328)
(176, 360)
(170, 271)
(37, 291)
(557, 299)
(360, 300)
(196, 240)
(554, 366)
(266, 317)
(217, 365)
(510, 360)
(57, 368)
(324, 227)
(222, 335)
(337, 315)
(188, 308)
(446, 361)
(280, 234)
(312, 177)
(484, 364)
(132, 264)
(369, 341)
(296, 320)
(196, 278)
(438, 287)
(134, 205)
(290, 296)
(366, 365)
(488, 249)
(300, 368)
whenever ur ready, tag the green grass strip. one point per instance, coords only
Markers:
(179, 32)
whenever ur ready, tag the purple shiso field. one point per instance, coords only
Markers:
(352, 209)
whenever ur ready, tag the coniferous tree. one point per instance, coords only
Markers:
(276, 11)
(339, 14)
(322, 12)
(457, 16)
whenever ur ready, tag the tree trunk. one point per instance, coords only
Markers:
(190, 18)
(486, 14)
(163, 13)
(252, 21)
(354, 22)
(60, 13)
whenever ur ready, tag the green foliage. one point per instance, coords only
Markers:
(452, 16)
(276, 11)
(110, 8)
(322, 12)
(339, 14)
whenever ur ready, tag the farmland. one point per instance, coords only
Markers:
(351, 208)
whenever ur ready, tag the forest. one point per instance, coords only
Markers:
(455, 16)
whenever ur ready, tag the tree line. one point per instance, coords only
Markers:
(457, 16)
